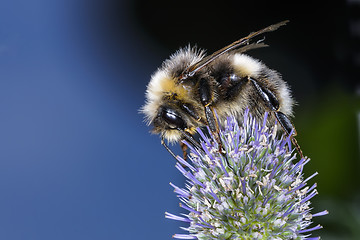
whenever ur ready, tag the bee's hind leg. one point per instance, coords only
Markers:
(289, 129)
(273, 105)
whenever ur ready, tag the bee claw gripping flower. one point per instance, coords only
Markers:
(255, 190)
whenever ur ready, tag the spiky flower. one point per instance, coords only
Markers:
(255, 190)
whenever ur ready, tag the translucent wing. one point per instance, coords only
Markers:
(245, 42)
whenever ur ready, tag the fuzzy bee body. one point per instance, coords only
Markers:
(189, 87)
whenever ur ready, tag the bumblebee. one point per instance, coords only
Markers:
(189, 87)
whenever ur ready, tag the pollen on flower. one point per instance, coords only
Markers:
(255, 190)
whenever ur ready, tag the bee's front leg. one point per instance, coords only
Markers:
(189, 139)
(206, 98)
(184, 148)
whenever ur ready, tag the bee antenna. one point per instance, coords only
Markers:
(167, 147)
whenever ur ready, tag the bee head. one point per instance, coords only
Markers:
(169, 101)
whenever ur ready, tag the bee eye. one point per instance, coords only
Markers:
(172, 118)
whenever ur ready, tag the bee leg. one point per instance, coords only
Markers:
(288, 127)
(184, 147)
(213, 124)
(206, 100)
(273, 105)
(191, 140)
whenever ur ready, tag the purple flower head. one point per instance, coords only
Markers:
(255, 190)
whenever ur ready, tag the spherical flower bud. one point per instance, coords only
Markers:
(255, 189)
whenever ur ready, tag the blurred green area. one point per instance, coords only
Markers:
(328, 133)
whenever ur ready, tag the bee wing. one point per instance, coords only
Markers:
(191, 70)
(251, 46)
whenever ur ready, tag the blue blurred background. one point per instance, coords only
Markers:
(76, 159)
